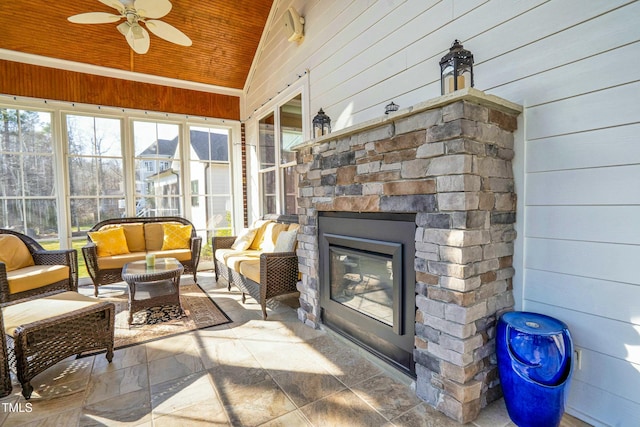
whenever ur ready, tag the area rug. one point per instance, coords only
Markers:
(200, 311)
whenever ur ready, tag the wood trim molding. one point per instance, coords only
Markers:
(62, 85)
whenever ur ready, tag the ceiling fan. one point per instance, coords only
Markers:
(136, 12)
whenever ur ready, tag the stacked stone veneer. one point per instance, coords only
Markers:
(449, 161)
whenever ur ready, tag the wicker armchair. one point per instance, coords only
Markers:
(41, 257)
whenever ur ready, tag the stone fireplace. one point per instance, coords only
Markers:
(447, 163)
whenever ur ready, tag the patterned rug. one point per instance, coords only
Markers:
(200, 311)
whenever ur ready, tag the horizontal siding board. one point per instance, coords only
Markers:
(603, 261)
(602, 370)
(584, 294)
(604, 147)
(619, 341)
(597, 186)
(606, 108)
(605, 224)
(601, 408)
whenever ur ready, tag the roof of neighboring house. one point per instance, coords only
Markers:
(207, 146)
(210, 146)
(161, 148)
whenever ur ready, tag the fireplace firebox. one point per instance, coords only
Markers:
(367, 282)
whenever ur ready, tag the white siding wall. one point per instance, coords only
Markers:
(575, 67)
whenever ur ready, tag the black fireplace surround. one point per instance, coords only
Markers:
(367, 282)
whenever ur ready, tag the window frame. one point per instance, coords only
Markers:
(274, 108)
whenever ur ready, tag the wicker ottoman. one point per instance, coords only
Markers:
(43, 331)
(5, 378)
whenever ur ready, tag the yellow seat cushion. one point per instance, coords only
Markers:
(251, 269)
(223, 255)
(35, 276)
(44, 308)
(118, 261)
(179, 254)
(111, 241)
(14, 253)
(234, 262)
(153, 236)
(134, 233)
(176, 236)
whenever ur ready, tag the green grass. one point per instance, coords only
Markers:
(77, 245)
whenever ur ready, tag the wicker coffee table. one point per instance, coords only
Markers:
(152, 286)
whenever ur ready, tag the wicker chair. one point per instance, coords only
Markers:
(41, 256)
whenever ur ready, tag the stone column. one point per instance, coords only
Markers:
(464, 268)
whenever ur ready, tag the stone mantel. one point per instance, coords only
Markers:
(467, 94)
(448, 162)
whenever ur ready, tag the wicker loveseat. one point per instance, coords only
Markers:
(142, 236)
(27, 269)
(262, 261)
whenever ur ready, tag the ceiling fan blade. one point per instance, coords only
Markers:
(152, 8)
(94, 18)
(168, 32)
(114, 4)
(136, 36)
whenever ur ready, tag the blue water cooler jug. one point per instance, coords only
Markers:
(535, 363)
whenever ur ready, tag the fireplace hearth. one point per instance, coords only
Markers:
(367, 282)
(445, 163)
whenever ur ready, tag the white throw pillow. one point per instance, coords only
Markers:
(286, 241)
(244, 239)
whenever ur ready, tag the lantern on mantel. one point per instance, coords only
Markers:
(391, 108)
(456, 69)
(321, 124)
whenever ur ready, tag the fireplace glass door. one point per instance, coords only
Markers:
(363, 282)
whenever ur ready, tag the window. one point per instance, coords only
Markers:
(278, 132)
(96, 172)
(158, 180)
(27, 170)
(211, 208)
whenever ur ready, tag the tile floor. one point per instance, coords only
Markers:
(247, 373)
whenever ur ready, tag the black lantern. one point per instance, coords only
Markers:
(456, 69)
(391, 108)
(321, 124)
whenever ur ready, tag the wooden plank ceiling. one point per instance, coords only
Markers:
(225, 37)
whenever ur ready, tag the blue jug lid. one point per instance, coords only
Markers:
(534, 323)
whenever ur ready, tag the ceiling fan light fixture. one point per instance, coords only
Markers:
(134, 12)
(137, 31)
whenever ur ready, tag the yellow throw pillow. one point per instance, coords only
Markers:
(110, 242)
(14, 253)
(176, 236)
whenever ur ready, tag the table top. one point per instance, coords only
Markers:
(163, 268)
